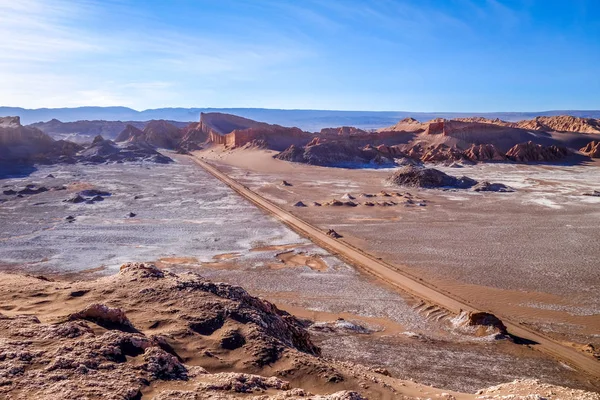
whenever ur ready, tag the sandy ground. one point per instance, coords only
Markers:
(187, 220)
(532, 252)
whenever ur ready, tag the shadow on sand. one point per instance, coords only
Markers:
(16, 170)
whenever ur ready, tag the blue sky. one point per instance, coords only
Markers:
(422, 55)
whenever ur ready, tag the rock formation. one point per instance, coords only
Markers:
(562, 123)
(428, 178)
(335, 153)
(342, 131)
(100, 351)
(531, 152)
(233, 131)
(185, 337)
(24, 144)
(157, 133)
(102, 151)
(484, 152)
(592, 149)
(82, 131)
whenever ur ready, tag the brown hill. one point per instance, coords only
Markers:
(84, 130)
(562, 123)
(27, 144)
(157, 133)
(532, 152)
(405, 125)
(342, 131)
(234, 131)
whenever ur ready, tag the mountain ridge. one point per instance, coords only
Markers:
(306, 119)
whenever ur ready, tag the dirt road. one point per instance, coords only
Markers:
(403, 280)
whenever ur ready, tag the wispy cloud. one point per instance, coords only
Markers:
(61, 46)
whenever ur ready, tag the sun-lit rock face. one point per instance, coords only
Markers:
(592, 149)
(532, 152)
(562, 123)
(234, 131)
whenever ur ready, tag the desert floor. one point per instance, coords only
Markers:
(187, 220)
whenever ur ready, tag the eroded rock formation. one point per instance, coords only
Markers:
(592, 149)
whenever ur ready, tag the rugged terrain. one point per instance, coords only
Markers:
(149, 333)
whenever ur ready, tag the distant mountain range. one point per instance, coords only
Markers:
(309, 120)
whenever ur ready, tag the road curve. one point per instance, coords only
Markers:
(402, 279)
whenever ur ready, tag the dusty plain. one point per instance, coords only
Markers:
(186, 220)
(531, 253)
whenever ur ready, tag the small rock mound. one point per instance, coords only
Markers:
(486, 186)
(480, 323)
(143, 269)
(428, 178)
(333, 234)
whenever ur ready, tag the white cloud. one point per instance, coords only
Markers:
(58, 53)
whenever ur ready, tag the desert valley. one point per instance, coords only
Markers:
(444, 258)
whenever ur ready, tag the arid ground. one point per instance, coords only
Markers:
(531, 253)
(186, 220)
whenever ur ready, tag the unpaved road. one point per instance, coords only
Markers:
(403, 280)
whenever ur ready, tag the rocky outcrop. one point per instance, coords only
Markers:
(100, 351)
(486, 186)
(428, 178)
(532, 152)
(162, 134)
(24, 144)
(342, 131)
(335, 154)
(157, 133)
(82, 131)
(480, 323)
(107, 151)
(592, 149)
(562, 123)
(435, 127)
(441, 153)
(233, 131)
(405, 125)
(484, 152)
(129, 133)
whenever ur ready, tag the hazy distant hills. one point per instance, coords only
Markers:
(310, 120)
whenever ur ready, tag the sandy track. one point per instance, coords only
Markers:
(403, 280)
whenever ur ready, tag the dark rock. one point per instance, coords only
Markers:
(486, 186)
(333, 234)
(76, 199)
(595, 193)
(131, 215)
(9, 192)
(30, 189)
(94, 192)
(428, 178)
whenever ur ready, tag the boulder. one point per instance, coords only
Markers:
(486, 186)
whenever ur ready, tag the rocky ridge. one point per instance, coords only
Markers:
(150, 333)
